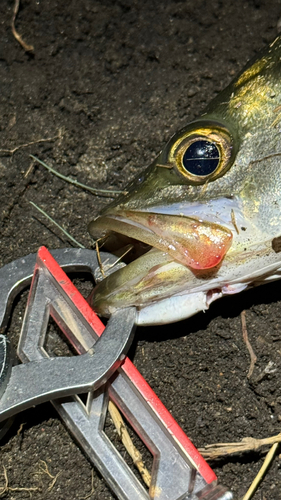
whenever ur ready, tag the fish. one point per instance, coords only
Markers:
(204, 219)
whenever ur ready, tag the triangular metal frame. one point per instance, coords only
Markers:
(179, 471)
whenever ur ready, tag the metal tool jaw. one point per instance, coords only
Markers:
(179, 472)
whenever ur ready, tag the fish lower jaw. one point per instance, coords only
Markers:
(172, 309)
(169, 309)
(180, 307)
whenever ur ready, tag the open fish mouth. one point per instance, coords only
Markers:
(176, 265)
(181, 264)
(192, 242)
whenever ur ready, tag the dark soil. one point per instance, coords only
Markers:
(115, 79)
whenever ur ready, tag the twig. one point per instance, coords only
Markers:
(12, 151)
(127, 442)
(213, 451)
(248, 344)
(98, 192)
(27, 48)
(56, 224)
(268, 459)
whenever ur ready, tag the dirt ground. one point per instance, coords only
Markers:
(107, 84)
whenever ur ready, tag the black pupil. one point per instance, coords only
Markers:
(201, 158)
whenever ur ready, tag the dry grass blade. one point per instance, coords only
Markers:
(108, 193)
(57, 225)
(127, 442)
(99, 259)
(217, 450)
(126, 250)
(26, 47)
(38, 141)
(268, 459)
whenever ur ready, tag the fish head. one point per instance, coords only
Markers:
(204, 217)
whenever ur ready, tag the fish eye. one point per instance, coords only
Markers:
(201, 158)
(202, 154)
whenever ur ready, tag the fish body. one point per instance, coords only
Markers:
(207, 212)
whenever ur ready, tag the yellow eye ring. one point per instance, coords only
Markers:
(202, 154)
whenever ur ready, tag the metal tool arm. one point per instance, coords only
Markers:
(50, 378)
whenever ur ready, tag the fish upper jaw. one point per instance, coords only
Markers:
(192, 242)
